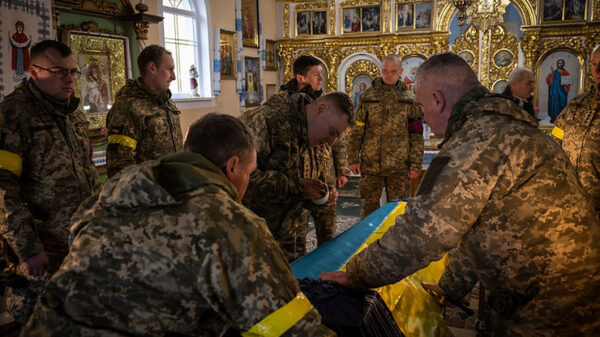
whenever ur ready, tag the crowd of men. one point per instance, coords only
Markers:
(194, 237)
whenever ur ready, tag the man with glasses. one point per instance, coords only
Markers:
(45, 171)
(287, 175)
(143, 124)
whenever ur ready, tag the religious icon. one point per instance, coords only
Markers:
(271, 55)
(20, 44)
(499, 86)
(553, 10)
(194, 81)
(319, 23)
(360, 84)
(303, 23)
(351, 20)
(249, 23)
(503, 58)
(467, 56)
(423, 15)
(575, 9)
(227, 54)
(252, 97)
(409, 70)
(405, 16)
(558, 83)
(94, 84)
(370, 19)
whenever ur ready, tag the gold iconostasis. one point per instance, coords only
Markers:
(552, 37)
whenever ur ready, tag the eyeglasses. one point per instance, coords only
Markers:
(61, 73)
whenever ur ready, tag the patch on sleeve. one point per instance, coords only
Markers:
(435, 168)
(415, 126)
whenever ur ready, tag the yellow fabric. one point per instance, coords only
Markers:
(11, 161)
(415, 311)
(281, 320)
(558, 133)
(122, 140)
(360, 123)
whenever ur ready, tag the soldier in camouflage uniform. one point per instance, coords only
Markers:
(143, 124)
(386, 146)
(330, 160)
(167, 249)
(509, 195)
(520, 88)
(577, 129)
(287, 175)
(45, 170)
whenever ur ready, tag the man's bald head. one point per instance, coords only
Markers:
(440, 82)
(447, 72)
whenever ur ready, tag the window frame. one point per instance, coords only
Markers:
(203, 57)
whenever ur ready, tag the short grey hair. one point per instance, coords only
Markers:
(392, 57)
(517, 74)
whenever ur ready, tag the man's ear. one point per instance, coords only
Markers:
(440, 100)
(231, 167)
(150, 67)
(299, 78)
(322, 107)
(33, 72)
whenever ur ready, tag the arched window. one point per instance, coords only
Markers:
(184, 32)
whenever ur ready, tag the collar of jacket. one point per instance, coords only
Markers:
(595, 89)
(141, 90)
(507, 92)
(291, 87)
(182, 172)
(378, 83)
(50, 105)
(298, 116)
(459, 115)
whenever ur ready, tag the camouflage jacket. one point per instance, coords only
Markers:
(283, 157)
(507, 193)
(388, 136)
(166, 249)
(141, 126)
(45, 171)
(578, 130)
(329, 158)
(526, 104)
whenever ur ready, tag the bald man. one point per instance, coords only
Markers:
(521, 84)
(508, 195)
(577, 129)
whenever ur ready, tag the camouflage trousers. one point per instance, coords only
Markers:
(21, 301)
(290, 232)
(371, 186)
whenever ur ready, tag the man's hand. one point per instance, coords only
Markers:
(436, 291)
(333, 196)
(314, 188)
(36, 265)
(355, 168)
(339, 277)
(341, 181)
(412, 174)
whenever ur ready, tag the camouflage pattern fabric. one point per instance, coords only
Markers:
(579, 127)
(166, 249)
(331, 162)
(371, 186)
(142, 125)
(387, 140)
(526, 104)
(382, 140)
(45, 173)
(508, 194)
(275, 191)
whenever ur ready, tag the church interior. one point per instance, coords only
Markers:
(233, 55)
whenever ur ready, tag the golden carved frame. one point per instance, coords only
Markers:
(117, 50)
(360, 67)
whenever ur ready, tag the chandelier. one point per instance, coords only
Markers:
(462, 6)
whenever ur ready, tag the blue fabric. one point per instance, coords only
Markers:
(333, 254)
(557, 97)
